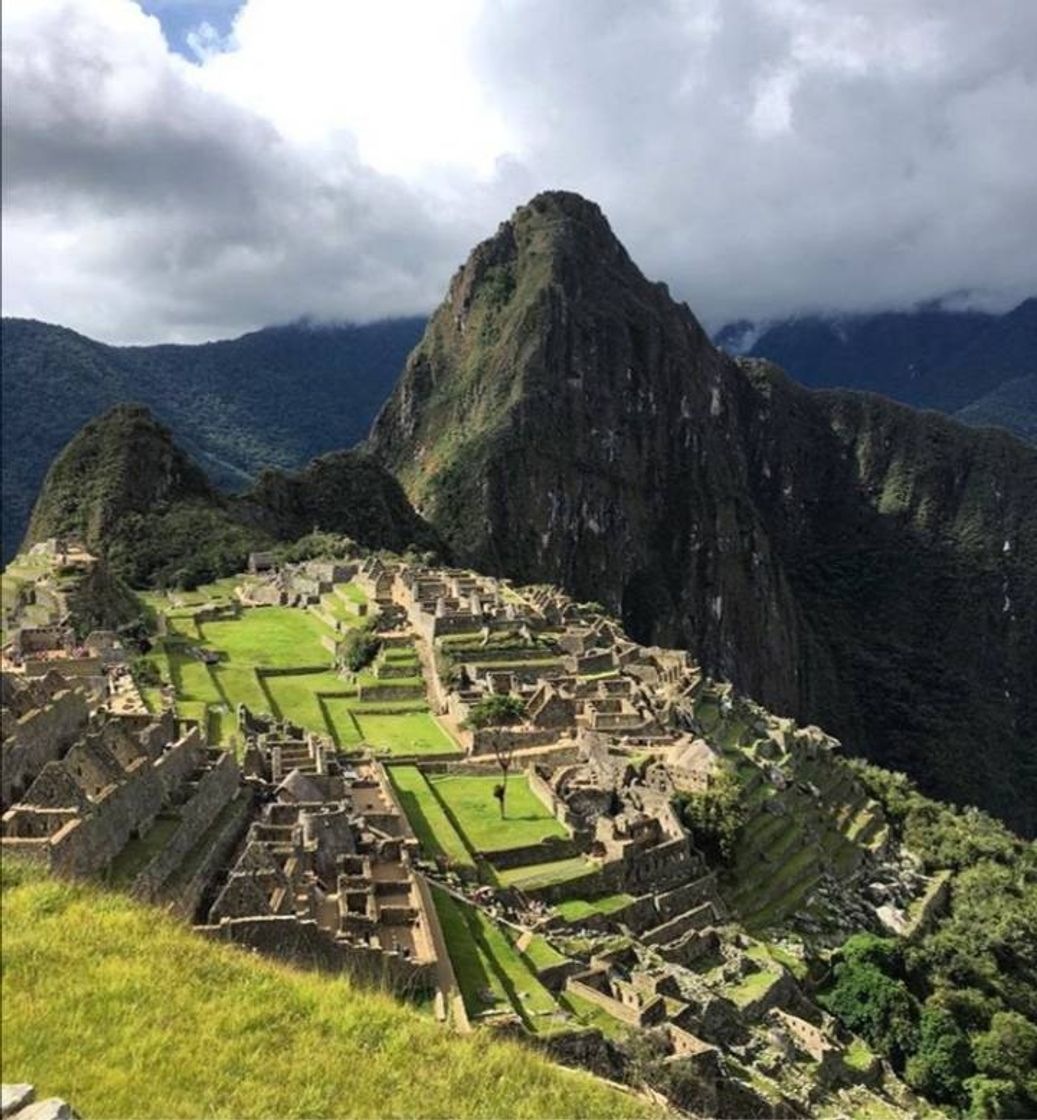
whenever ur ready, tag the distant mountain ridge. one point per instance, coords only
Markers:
(927, 358)
(273, 398)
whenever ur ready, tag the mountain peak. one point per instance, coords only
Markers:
(124, 462)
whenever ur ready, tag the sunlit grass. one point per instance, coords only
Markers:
(123, 1012)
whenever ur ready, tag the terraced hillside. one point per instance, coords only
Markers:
(661, 893)
(217, 654)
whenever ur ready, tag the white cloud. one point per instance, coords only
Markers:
(339, 158)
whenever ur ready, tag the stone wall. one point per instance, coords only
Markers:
(88, 843)
(184, 890)
(546, 851)
(483, 739)
(301, 941)
(543, 791)
(216, 788)
(592, 986)
(932, 904)
(445, 977)
(684, 897)
(67, 666)
(39, 737)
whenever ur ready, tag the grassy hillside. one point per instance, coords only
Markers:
(105, 1020)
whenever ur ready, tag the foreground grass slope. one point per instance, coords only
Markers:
(120, 1010)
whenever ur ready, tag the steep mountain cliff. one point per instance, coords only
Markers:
(837, 556)
(345, 492)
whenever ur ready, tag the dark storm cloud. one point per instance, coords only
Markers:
(762, 158)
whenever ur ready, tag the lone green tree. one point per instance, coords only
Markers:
(496, 713)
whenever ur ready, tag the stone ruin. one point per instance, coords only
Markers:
(325, 875)
(88, 792)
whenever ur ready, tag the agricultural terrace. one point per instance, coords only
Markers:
(457, 821)
(497, 970)
(280, 660)
(469, 800)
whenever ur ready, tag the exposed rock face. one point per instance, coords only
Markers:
(835, 555)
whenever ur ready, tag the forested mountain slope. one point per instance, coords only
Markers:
(275, 397)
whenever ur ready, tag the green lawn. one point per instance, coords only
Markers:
(192, 679)
(240, 685)
(351, 591)
(404, 733)
(541, 954)
(751, 987)
(296, 697)
(490, 971)
(337, 609)
(344, 729)
(141, 850)
(575, 909)
(183, 625)
(481, 986)
(591, 1015)
(223, 726)
(431, 825)
(164, 1023)
(192, 709)
(270, 637)
(219, 592)
(537, 875)
(470, 799)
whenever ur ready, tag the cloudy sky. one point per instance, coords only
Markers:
(190, 169)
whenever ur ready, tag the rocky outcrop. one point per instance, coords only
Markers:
(839, 557)
(19, 1103)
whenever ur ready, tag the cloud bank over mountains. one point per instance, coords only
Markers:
(338, 160)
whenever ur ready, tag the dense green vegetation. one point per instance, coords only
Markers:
(1012, 406)
(224, 401)
(230, 1034)
(359, 648)
(131, 494)
(715, 815)
(954, 1008)
(498, 710)
(927, 357)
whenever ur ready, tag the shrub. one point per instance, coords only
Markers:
(715, 815)
(497, 711)
(359, 648)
